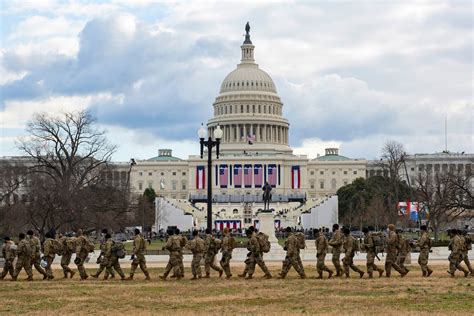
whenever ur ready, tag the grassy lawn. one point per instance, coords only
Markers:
(413, 294)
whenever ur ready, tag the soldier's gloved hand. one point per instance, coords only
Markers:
(132, 257)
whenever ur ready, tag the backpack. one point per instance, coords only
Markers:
(58, 247)
(89, 246)
(199, 246)
(468, 242)
(231, 242)
(182, 241)
(300, 240)
(215, 244)
(70, 245)
(356, 245)
(118, 250)
(263, 242)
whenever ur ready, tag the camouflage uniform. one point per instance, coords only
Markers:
(349, 253)
(466, 240)
(336, 243)
(24, 259)
(403, 250)
(369, 247)
(321, 250)
(139, 249)
(9, 255)
(456, 246)
(35, 246)
(210, 256)
(197, 248)
(255, 257)
(103, 263)
(66, 256)
(425, 244)
(226, 250)
(49, 257)
(391, 260)
(183, 240)
(81, 253)
(173, 246)
(111, 259)
(292, 258)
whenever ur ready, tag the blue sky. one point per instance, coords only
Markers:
(351, 74)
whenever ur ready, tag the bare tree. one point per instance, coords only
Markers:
(70, 157)
(393, 155)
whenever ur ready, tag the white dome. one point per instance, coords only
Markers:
(248, 77)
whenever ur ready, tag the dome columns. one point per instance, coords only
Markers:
(264, 133)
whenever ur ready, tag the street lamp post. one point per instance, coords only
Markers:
(209, 143)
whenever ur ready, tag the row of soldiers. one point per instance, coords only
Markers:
(397, 248)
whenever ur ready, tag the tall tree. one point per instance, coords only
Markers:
(393, 157)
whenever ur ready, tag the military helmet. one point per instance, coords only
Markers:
(43, 263)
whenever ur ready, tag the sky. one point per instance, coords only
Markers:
(351, 74)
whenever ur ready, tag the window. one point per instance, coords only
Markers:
(150, 173)
(162, 173)
(241, 108)
(150, 184)
(312, 173)
(248, 108)
(140, 173)
(413, 168)
(183, 185)
(345, 182)
(321, 185)
(334, 172)
(355, 172)
(345, 171)
(321, 172)
(173, 185)
(333, 184)
(183, 173)
(235, 211)
(312, 185)
(174, 173)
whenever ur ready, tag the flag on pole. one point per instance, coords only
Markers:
(237, 176)
(200, 177)
(295, 177)
(258, 175)
(223, 175)
(272, 176)
(248, 176)
(251, 139)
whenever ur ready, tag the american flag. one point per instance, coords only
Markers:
(251, 139)
(200, 177)
(258, 175)
(295, 177)
(223, 176)
(272, 175)
(248, 176)
(237, 176)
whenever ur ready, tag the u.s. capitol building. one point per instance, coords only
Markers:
(254, 149)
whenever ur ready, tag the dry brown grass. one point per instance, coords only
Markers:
(439, 294)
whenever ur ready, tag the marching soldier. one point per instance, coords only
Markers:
(254, 257)
(182, 241)
(336, 243)
(24, 258)
(466, 239)
(82, 252)
(369, 246)
(35, 245)
(292, 258)
(100, 260)
(392, 248)
(321, 251)
(226, 249)
(111, 259)
(425, 245)
(9, 254)
(138, 255)
(49, 254)
(68, 249)
(197, 248)
(403, 250)
(456, 246)
(173, 245)
(349, 253)
(211, 248)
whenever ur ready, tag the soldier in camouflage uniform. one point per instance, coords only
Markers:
(321, 250)
(35, 245)
(9, 254)
(403, 250)
(182, 241)
(197, 248)
(100, 260)
(349, 253)
(369, 246)
(68, 245)
(292, 258)
(81, 253)
(254, 257)
(173, 245)
(111, 258)
(24, 258)
(392, 250)
(226, 249)
(425, 245)
(48, 254)
(336, 243)
(210, 254)
(466, 239)
(456, 246)
(138, 255)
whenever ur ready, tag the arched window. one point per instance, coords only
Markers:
(235, 211)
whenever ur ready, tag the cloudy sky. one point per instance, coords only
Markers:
(351, 74)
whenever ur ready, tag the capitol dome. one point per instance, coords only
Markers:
(249, 110)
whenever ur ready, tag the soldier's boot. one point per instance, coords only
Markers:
(320, 275)
(220, 273)
(404, 272)
(451, 273)
(429, 272)
(194, 277)
(466, 273)
(50, 277)
(267, 276)
(242, 275)
(207, 276)
(370, 275)
(65, 275)
(249, 277)
(147, 276)
(347, 275)
(163, 277)
(229, 276)
(361, 273)
(330, 274)
(30, 278)
(281, 275)
(425, 273)
(303, 276)
(130, 278)
(381, 271)
(45, 276)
